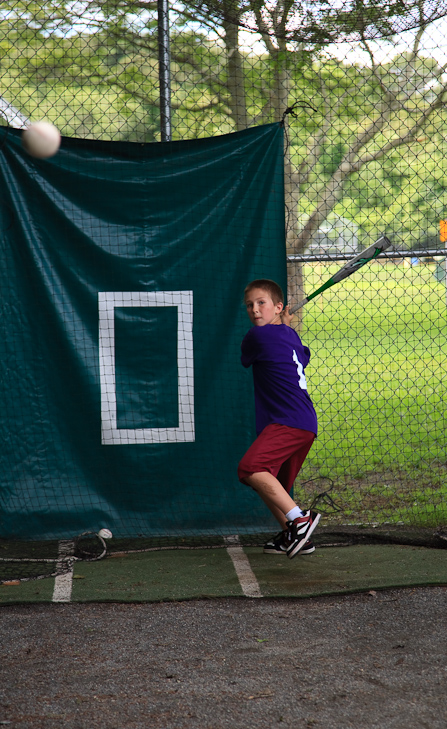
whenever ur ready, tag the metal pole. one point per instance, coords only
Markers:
(328, 258)
(445, 274)
(164, 70)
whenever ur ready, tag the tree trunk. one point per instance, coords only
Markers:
(235, 78)
(295, 282)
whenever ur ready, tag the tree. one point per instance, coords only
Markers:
(348, 123)
(365, 114)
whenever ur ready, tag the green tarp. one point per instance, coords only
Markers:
(123, 401)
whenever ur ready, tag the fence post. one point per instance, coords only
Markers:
(164, 69)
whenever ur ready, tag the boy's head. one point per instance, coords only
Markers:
(264, 301)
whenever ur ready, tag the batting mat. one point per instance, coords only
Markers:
(229, 570)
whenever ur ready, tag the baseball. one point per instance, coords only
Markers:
(41, 139)
(105, 534)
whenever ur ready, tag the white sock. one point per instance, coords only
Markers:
(294, 513)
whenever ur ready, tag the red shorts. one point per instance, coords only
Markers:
(279, 450)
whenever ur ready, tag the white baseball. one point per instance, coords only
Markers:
(41, 139)
(105, 534)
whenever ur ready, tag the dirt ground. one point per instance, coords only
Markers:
(368, 660)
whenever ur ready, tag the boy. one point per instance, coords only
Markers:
(286, 422)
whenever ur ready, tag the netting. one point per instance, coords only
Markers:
(364, 86)
(319, 23)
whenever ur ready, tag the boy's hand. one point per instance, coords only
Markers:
(286, 316)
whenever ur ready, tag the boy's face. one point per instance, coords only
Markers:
(261, 309)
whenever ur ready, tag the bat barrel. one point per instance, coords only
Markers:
(349, 268)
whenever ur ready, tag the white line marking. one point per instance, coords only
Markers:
(63, 583)
(108, 301)
(246, 577)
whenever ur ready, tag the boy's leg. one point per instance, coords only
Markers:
(280, 447)
(272, 493)
(279, 516)
(299, 529)
(272, 463)
(288, 473)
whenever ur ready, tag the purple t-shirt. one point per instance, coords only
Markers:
(279, 358)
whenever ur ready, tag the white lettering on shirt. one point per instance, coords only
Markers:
(300, 369)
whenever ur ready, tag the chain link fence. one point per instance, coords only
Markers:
(364, 85)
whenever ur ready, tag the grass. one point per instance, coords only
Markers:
(377, 378)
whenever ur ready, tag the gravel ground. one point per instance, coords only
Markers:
(368, 660)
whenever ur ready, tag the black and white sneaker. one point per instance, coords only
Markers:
(308, 548)
(299, 531)
(278, 545)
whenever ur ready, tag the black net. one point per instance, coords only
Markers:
(319, 23)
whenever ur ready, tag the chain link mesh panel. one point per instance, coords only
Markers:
(362, 87)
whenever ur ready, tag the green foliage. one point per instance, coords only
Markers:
(403, 191)
(92, 84)
(376, 376)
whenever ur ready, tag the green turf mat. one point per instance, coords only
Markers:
(348, 569)
(33, 591)
(153, 576)
(198, 573)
